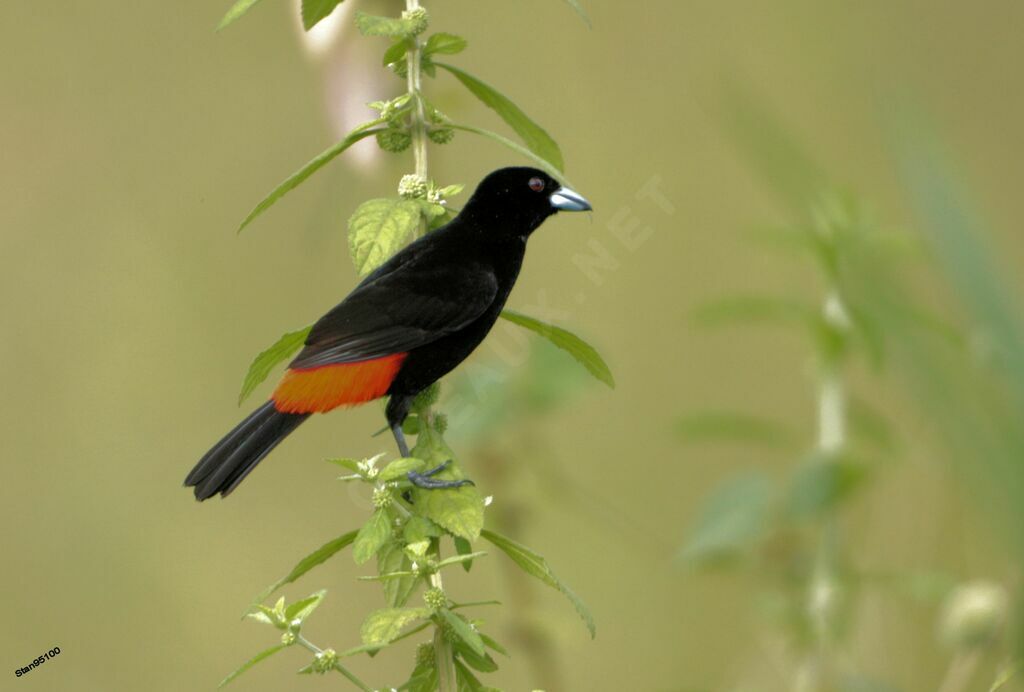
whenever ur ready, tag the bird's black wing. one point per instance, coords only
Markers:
(417, 302)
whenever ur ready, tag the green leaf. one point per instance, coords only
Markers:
(467, 682)
(315, 10)
(384, 626)
(399, 468)
(372, 25)
(377, 230)
(348, 464)
(728, 426)
(578, 6)
(443, 43)
(535, 565)
(392, 559)
(732, 518)
(460, 559)
(822, 484)
(374, 534)
(298, 177)
(265, 654)
(236, 11)
(539, 161)
(301, 609)
(484, 664)
(283, 349)
(584, 353)
(419, 529)
(423, 678)
(492, 644)
(396, 52)
(459, 510)
(533, 135)
(317, 557)
(464, 631)
(463, 547)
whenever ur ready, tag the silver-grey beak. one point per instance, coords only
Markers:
(565, 199)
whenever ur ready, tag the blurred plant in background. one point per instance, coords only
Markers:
(789, 538)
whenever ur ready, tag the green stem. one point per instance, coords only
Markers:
(442, 647)
(415, 82)
(824, 589)
(443, 653)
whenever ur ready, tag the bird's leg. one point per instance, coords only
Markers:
(424, 480)
(403, 448)
(396, 412)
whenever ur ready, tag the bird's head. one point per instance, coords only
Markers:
(518, 200)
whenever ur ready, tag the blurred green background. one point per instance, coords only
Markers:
(134, 139)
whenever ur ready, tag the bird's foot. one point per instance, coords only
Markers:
(424, 480)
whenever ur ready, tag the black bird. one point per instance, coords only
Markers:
(404, 326)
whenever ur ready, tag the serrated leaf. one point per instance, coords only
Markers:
(263, 655)
(372, 25)
(283, 349)
(822, 484)
(464, 631)
(315, 10)
(578, 7)
(298, 177)
(372, 536)
(378, 229)
(317, 557)
(535, 565)
(236, 11)
(459, 510)
(444, 43)
(585, 354)
(539, 161)
(731, 520)
(383, 626)
(533, 135)
(392, 559)
(730, 426)
(399, 468)
(301, 609)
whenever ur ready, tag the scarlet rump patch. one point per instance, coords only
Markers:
(317, 390)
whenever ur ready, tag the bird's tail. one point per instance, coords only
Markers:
(231, 459)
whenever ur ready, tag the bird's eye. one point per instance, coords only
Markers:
(536, 184)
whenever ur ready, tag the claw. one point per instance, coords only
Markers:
(424, 480)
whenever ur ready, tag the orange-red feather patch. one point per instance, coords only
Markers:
(320, 389)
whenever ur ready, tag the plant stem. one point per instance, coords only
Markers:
(823, 591)
(419, 121)
(442, 647)
(310, 646)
